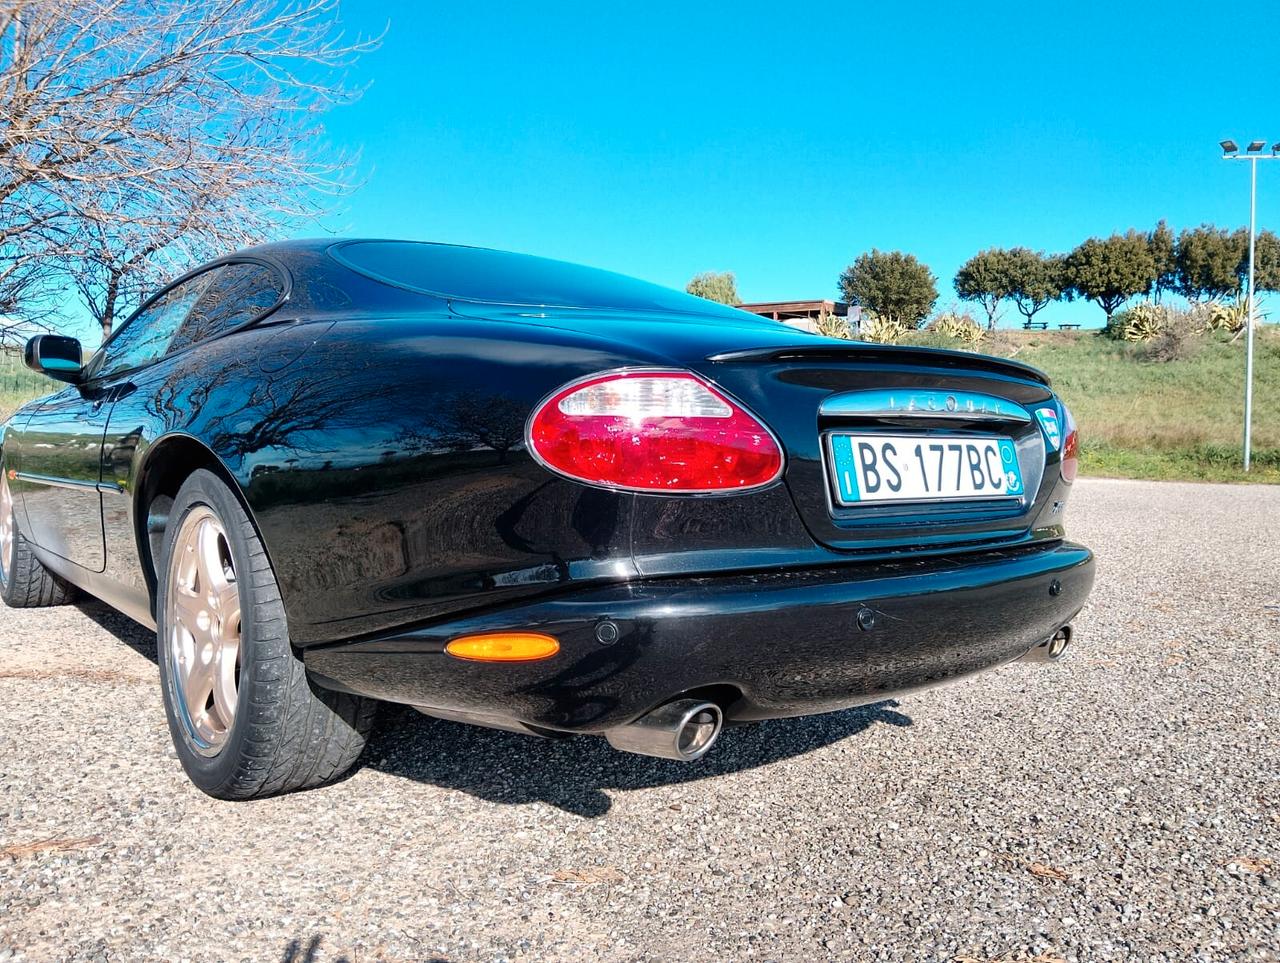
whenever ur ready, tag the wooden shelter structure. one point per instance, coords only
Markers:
(804, 314)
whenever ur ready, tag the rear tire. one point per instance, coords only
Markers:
(262, 727)
(24, 581)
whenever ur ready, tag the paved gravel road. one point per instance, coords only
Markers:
(1124, 805)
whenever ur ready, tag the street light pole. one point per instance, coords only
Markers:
(1230, 151)
(1248, 336)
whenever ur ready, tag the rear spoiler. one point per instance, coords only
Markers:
(892, 353)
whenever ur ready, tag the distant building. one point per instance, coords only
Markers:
(804, 315)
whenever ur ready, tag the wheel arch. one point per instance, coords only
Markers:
(168, 462)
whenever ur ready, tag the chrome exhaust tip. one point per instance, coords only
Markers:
(684, 730)
(1051, 649)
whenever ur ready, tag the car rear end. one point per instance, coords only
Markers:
(814, 526)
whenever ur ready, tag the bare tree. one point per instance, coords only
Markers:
(140, 136)
(14, 333)
(464, 422)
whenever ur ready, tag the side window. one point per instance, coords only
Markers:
(237, 295)
(146, 336)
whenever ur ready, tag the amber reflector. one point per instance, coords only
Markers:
(504, 647)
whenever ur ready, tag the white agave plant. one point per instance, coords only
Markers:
(881, 330)
(962, 327)
(833, 326)
(1228, 316)
(1143, 322)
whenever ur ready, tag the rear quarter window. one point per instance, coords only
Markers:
(239, 294)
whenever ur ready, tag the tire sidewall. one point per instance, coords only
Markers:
(6, 569)
(205, 489)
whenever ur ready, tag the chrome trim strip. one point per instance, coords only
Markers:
(910, 403)
(56, 482)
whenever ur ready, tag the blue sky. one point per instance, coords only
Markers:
(780, 140)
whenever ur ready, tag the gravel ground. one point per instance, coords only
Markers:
(1122, 805)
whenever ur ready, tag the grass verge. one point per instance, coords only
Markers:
(1180, 419)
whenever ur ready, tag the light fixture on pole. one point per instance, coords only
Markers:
(1253, 154)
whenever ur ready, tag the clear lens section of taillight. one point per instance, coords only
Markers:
(653, 431)
(637, 398)
(1070, 447)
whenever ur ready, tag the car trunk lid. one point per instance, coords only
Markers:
(809, 394)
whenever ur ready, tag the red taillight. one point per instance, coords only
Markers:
(1070, 447)
(653, 431)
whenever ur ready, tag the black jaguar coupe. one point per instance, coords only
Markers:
(525, 494)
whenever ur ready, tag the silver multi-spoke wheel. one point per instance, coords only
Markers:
(6, 526)
(202, 618)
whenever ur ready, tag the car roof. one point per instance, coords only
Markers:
(465, 273)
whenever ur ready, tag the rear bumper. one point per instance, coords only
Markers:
(778, 644)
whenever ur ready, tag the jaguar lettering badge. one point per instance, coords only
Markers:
(958, 405)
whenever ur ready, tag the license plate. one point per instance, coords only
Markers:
(886, 468)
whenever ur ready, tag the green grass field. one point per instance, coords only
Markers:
(1163, 419)
(1138, 419)
(18, 383)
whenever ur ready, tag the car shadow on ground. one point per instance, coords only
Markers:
(574, 774)
(571, 774)
(141, 640)
(308, 951)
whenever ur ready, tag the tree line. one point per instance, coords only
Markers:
(1202, 264)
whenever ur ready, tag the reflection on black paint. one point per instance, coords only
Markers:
(382, 485)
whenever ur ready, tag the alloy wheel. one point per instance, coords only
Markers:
(202, 622)
(7, 527)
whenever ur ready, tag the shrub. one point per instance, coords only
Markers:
(931, 339)
(833, 326)
(1179, 338)
(1203, 314)
(881, 329)
(1216, 316)
(958, 325)
(1138, 324)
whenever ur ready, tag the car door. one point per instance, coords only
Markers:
(60, 480)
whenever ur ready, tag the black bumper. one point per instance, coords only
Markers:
(775, 644)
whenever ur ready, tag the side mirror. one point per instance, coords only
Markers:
(56, 356)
